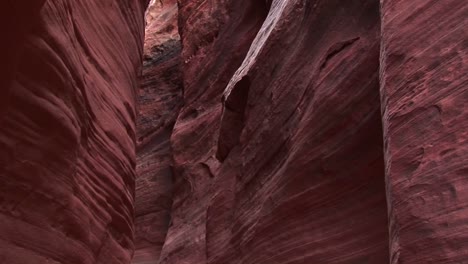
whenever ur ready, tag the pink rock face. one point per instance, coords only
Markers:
(67, 134)
(424, 89)
(159, 102)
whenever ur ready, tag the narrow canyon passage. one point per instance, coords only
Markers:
(233, 132)
(236, 198)
(158, 103)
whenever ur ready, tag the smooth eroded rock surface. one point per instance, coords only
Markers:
(216, 36)
(67, 135)
(258, 131)
(278, 148)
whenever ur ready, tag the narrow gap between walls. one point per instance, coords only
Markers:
(158, 103)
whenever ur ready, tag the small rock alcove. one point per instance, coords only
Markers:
(232, 122)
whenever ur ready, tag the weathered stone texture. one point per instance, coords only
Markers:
(67, 133)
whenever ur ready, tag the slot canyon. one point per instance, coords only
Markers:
(234, 132)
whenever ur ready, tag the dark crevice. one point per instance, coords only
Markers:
(159, 102)
(232, 122)
(336, 48)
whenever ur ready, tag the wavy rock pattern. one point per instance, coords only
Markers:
(267, 131)
(425, 93)
(208, 63)
(159, 102)
(289, 168)
(67, 134)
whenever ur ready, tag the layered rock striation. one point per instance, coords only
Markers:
(67, 139)
(278, 149)
(159, 101)
(257, 132)
(424, 90)
(281, 158)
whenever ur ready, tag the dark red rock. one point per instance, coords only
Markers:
(23, 15)
(424, 88)
(67, 133)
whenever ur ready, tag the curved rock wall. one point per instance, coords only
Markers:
(216, 36)
(279, 158)
(265, 132)
(67, 134)
(424, 88)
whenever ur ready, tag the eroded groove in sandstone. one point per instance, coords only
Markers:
(233, 117)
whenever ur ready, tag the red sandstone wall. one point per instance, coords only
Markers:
(424, 89)
(67, 136)
(159, 101)
(272, 153)
(287, 165)
(216, 35)
(280, 158)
